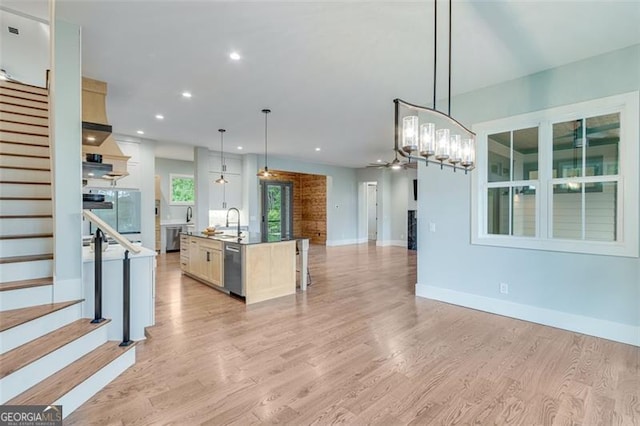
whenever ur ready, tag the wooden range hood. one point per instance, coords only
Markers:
(96, 131)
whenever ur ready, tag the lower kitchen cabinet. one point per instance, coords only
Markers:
(203, 260)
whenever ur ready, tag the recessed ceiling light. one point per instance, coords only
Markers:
(159, 117)
(240, 148)
(186, 94)
(378, 161)
(91, 138)
(140, 132)
(317, 149)
(235, 56)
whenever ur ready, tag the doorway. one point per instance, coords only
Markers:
(372, 211)
(277, 210)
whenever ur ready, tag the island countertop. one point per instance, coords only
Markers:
(251, 238)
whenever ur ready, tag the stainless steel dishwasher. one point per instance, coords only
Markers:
(233, 281)
(173, 238)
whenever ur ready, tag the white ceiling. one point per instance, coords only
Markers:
(329, 71)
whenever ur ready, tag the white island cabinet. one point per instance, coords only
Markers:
(142, 290)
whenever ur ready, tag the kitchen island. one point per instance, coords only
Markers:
(246, 267)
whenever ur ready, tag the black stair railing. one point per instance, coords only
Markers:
(99, 238)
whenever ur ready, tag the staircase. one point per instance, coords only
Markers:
(49, 354)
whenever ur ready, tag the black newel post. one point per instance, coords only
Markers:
(126, 299)
(97, 279)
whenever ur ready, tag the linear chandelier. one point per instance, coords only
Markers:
(440, 138)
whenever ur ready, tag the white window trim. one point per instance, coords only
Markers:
(628, 105)
(179, 203)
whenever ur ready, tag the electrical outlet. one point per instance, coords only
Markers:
(504, 288)
(432, 227)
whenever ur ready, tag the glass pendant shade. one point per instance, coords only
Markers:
(467, 152)
(410, 133)
(455, 149)
(442, 144)
(427, 139)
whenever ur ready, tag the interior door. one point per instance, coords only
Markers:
(277, 210)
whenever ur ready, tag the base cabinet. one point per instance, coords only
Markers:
(202, 259)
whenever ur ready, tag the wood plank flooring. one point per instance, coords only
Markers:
(359, 348)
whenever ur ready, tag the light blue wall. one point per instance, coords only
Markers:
(603, 288)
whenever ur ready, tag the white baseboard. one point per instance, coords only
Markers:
(69, 289)
(618, 332)
(333, 243)
(398, 243)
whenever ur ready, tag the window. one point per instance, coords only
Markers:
(181, 189)
(563, 179)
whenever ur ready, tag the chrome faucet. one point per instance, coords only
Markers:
(237, 211)
(189, 214)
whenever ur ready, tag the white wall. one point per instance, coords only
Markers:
(24, 56)
(65, 156)
(596, 295)
(163, 168)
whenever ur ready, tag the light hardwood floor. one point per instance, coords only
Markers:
(359, 348)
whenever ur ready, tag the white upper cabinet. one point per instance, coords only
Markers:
(224, 196)
(234, 165)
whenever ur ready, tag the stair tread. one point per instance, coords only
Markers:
(35, 282)
(29, 88)
(29, 258)
(25, 198)
(13, 154)
(60, 383)
(15, 317)
(19, 182)
(26, 216)
(2, 120)
(22, 98)
(17, 358)
(25, 236)
(41, 169)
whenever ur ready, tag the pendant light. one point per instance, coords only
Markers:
(223, 166)
(448, 142)
(265, 173)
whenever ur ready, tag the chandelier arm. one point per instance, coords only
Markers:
(449, 94)
(444, 115)
(435, 48)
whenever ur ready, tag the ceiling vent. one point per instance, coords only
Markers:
(13, 30)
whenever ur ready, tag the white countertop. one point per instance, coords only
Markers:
(115, 252)
(170, 222)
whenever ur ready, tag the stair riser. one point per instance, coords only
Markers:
(28, 376)
(22, 190)
(22, 94)
(30, 139)
(25, 297)
(25, 207)
(24, 128)
(17, 336)
(26, 270)
(26, 119)
(25, 88)
(11, 160)
(24, 102)
(25, 247)
(24, 110)
(26, 226)
(20, 175)
(82, 393)
(12, 148)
